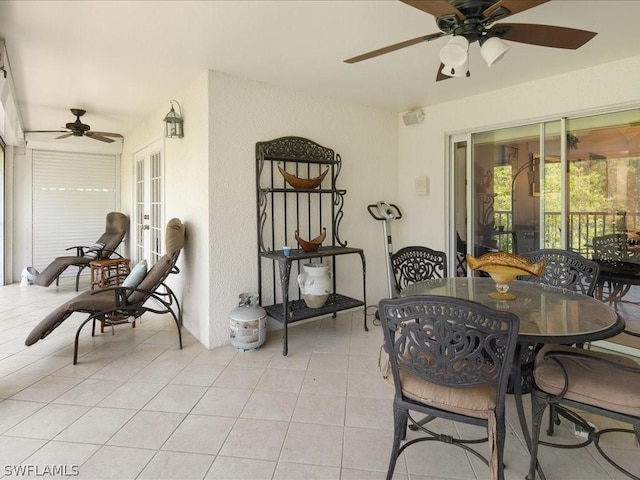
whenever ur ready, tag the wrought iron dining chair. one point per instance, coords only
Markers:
(416, 263)
(565, 269)
(569, 379)
(449, 358)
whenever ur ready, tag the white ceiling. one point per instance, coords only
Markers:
(120, 60)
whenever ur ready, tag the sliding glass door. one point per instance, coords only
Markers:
(571, 183)
(556, 184)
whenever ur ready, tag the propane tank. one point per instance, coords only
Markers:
(248, 323)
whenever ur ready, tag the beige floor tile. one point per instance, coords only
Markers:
(350, 474)
(239, 377)
(296, 471)
(320, 409)
(147, 430)
(222, 402)
(47, 389)
(329, 362)
(200, 434)
(268, 405)
(281, 380)
(326, 383)
(131, 395)
(370, 413)
(303, 440)
(257, 439)
(294, 360)
(369, 450)
(369, 385)
(230, 468)
(48, 421)
(102, 465)
(176, 398)
(15, 450)
(65, 455)
(89, 392)
(201, 374)
(97, 426)
(176, 466)
(13, 412)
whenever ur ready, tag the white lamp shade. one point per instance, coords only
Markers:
(493, 50)
(456, 71)
(454, 53)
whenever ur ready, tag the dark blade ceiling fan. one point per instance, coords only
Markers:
(79, 129)
(469, 21)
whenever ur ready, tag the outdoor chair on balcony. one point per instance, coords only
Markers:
(116, 228)
(610, 248)
(449, 358)
(570, 379)
(415, 264)
(141, 292)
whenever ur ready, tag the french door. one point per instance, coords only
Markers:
(148, 242)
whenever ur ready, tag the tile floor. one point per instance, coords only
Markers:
(137, 407)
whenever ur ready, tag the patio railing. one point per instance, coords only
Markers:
(583, 226)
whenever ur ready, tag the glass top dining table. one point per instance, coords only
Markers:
(547, 314)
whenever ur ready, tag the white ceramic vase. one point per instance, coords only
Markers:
(315, 284)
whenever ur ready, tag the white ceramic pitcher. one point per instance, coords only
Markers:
(315, 284)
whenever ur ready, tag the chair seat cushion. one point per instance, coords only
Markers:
(476, 402)
(591, 382)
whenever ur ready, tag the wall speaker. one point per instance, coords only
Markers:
(413, 117)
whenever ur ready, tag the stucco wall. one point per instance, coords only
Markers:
(606, 87)
(245, 112)
(210, 185)
(186, 194)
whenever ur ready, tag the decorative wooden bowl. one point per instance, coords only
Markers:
(503, 267)
(313, 244)
(303, 183)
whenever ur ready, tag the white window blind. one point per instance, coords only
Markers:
(72, 194)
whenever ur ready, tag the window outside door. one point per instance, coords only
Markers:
(148, 203)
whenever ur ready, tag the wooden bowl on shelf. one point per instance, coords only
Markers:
(303, 183)
(313, 244)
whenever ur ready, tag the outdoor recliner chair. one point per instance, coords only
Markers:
(117, 225)
(122, 303)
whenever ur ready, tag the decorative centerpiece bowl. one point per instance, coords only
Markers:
(313, 244)
(303, 183)
(503, 267)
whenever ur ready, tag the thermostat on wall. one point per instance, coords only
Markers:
(422, 185)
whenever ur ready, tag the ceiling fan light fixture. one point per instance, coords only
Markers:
(455, 52)
(493, 49)
(456, 71)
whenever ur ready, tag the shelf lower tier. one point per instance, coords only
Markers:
(335, 303)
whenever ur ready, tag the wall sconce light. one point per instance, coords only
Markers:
(173, 123)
